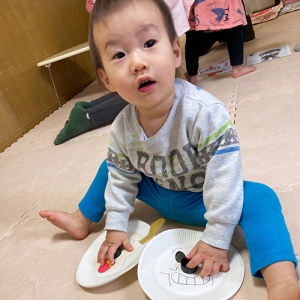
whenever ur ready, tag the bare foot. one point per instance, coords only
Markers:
(191, 79)
(238, 71)
(75, 223)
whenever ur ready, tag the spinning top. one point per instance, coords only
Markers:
(181, 258)
(118, 252)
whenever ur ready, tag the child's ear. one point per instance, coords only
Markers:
(177, 53)
(103, 76)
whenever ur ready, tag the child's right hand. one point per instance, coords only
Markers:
(114, 239)
(213, 259)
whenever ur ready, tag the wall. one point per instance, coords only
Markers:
(32, 31)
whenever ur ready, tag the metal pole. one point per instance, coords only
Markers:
(49, 69)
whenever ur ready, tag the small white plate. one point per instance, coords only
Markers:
(87, 274)
(161, 278)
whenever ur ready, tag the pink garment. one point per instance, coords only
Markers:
(286, 2)
(217, 14)
(180, 10)
(89, 5)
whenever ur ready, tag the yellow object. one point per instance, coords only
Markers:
(108, 262)
(153, 230)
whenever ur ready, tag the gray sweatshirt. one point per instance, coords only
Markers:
(196, 150)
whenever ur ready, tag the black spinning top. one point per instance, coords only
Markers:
(181, 258)
(118, 252)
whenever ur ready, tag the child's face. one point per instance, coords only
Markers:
(137, 55)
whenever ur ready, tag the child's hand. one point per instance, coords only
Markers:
(113, 240)
(213, 259)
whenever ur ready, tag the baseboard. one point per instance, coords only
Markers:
(19, 132)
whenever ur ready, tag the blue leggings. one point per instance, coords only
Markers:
(265, 231)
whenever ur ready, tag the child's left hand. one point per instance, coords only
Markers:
(213, 259)
(114, 239)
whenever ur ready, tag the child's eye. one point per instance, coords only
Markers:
(118, 55)
(149, 44)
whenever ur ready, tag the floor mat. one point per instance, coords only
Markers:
(38, 260)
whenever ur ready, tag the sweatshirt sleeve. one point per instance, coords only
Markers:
(122, 186)
(223, 187)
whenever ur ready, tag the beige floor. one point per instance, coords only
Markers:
(38, 261)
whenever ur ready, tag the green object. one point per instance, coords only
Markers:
(75, 125)
(84, 104)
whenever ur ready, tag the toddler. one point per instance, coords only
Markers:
(174, 147)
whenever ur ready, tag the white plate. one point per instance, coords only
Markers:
(87, 274)
(161, 277)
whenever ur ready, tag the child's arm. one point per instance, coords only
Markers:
(219, 155)
(218, 148)
(213, 259)
(212, 134)
(114, 239)
(122, 185)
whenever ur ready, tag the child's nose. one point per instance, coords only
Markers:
(138, 63)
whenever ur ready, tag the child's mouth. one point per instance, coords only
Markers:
(146, 86)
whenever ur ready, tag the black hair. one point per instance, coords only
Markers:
(104, 8)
